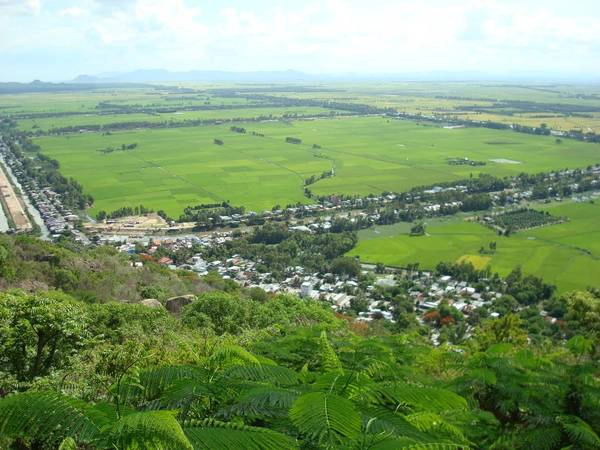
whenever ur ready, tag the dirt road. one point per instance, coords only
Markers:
(13, 204)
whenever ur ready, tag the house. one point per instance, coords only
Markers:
(165, 261)
(305, 289)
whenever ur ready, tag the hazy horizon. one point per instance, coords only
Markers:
(59, 40)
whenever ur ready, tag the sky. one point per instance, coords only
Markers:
(55, 40)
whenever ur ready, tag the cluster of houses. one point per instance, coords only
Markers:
(336, 289)
(48, 203)
(328, 208)
(56, 218)
(429, 291)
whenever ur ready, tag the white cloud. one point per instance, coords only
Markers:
(73, 11)
(34, 5)
(315, 35)
(21, 7)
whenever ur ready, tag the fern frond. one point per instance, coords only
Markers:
(68, 444)
(230, 355)
(349, 384)
(214, 435)
(46, 416)
(437, 446)
(388, 443)
(421, 398)
(333, 381)
(182, 393)
(149, 384)
(405, 444)
(579, 432)
(325, 417)
(277, 375)
(431, 423)
(262, 402)
(543, 438)
(150, 430)
(385, 422)
(155, 381)
(380, 370)
(328, 359)
(103, 413)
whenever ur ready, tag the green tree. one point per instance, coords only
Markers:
(7, 269)
(417, 229)
(507, 329)
(582, 314)
(39, 333)
(344, 265)
(359, 304)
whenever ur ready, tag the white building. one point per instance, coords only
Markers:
(305, 289)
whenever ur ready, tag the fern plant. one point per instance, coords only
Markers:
(371, 395)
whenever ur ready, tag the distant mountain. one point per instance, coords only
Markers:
(86, 79)
(291, 76)
(145, 76)
(81, 83)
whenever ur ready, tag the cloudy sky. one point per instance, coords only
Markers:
(60, 39)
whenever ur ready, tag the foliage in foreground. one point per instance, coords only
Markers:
(363, 393)
(280, 373)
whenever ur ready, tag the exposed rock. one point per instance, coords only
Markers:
(151, 303)
(175, 304)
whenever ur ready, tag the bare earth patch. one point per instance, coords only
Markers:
(505, 161)
(478, 261)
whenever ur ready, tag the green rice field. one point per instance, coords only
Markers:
(177, 167)
(566, 254)
(83, 120)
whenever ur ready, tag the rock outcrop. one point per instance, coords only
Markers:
(151, 303)
(175, 304)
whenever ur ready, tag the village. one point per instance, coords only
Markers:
(43, 206)
(426, 290)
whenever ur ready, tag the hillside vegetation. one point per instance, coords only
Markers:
(235, 370)
(96, 274)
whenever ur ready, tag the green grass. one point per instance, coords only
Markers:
(173, 168)
(373, 154)
(566, 254)
(87, 101)
(84, 120)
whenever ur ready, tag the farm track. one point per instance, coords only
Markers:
(299, 175)
(584, 251)
(386, 160)
(198, 189)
